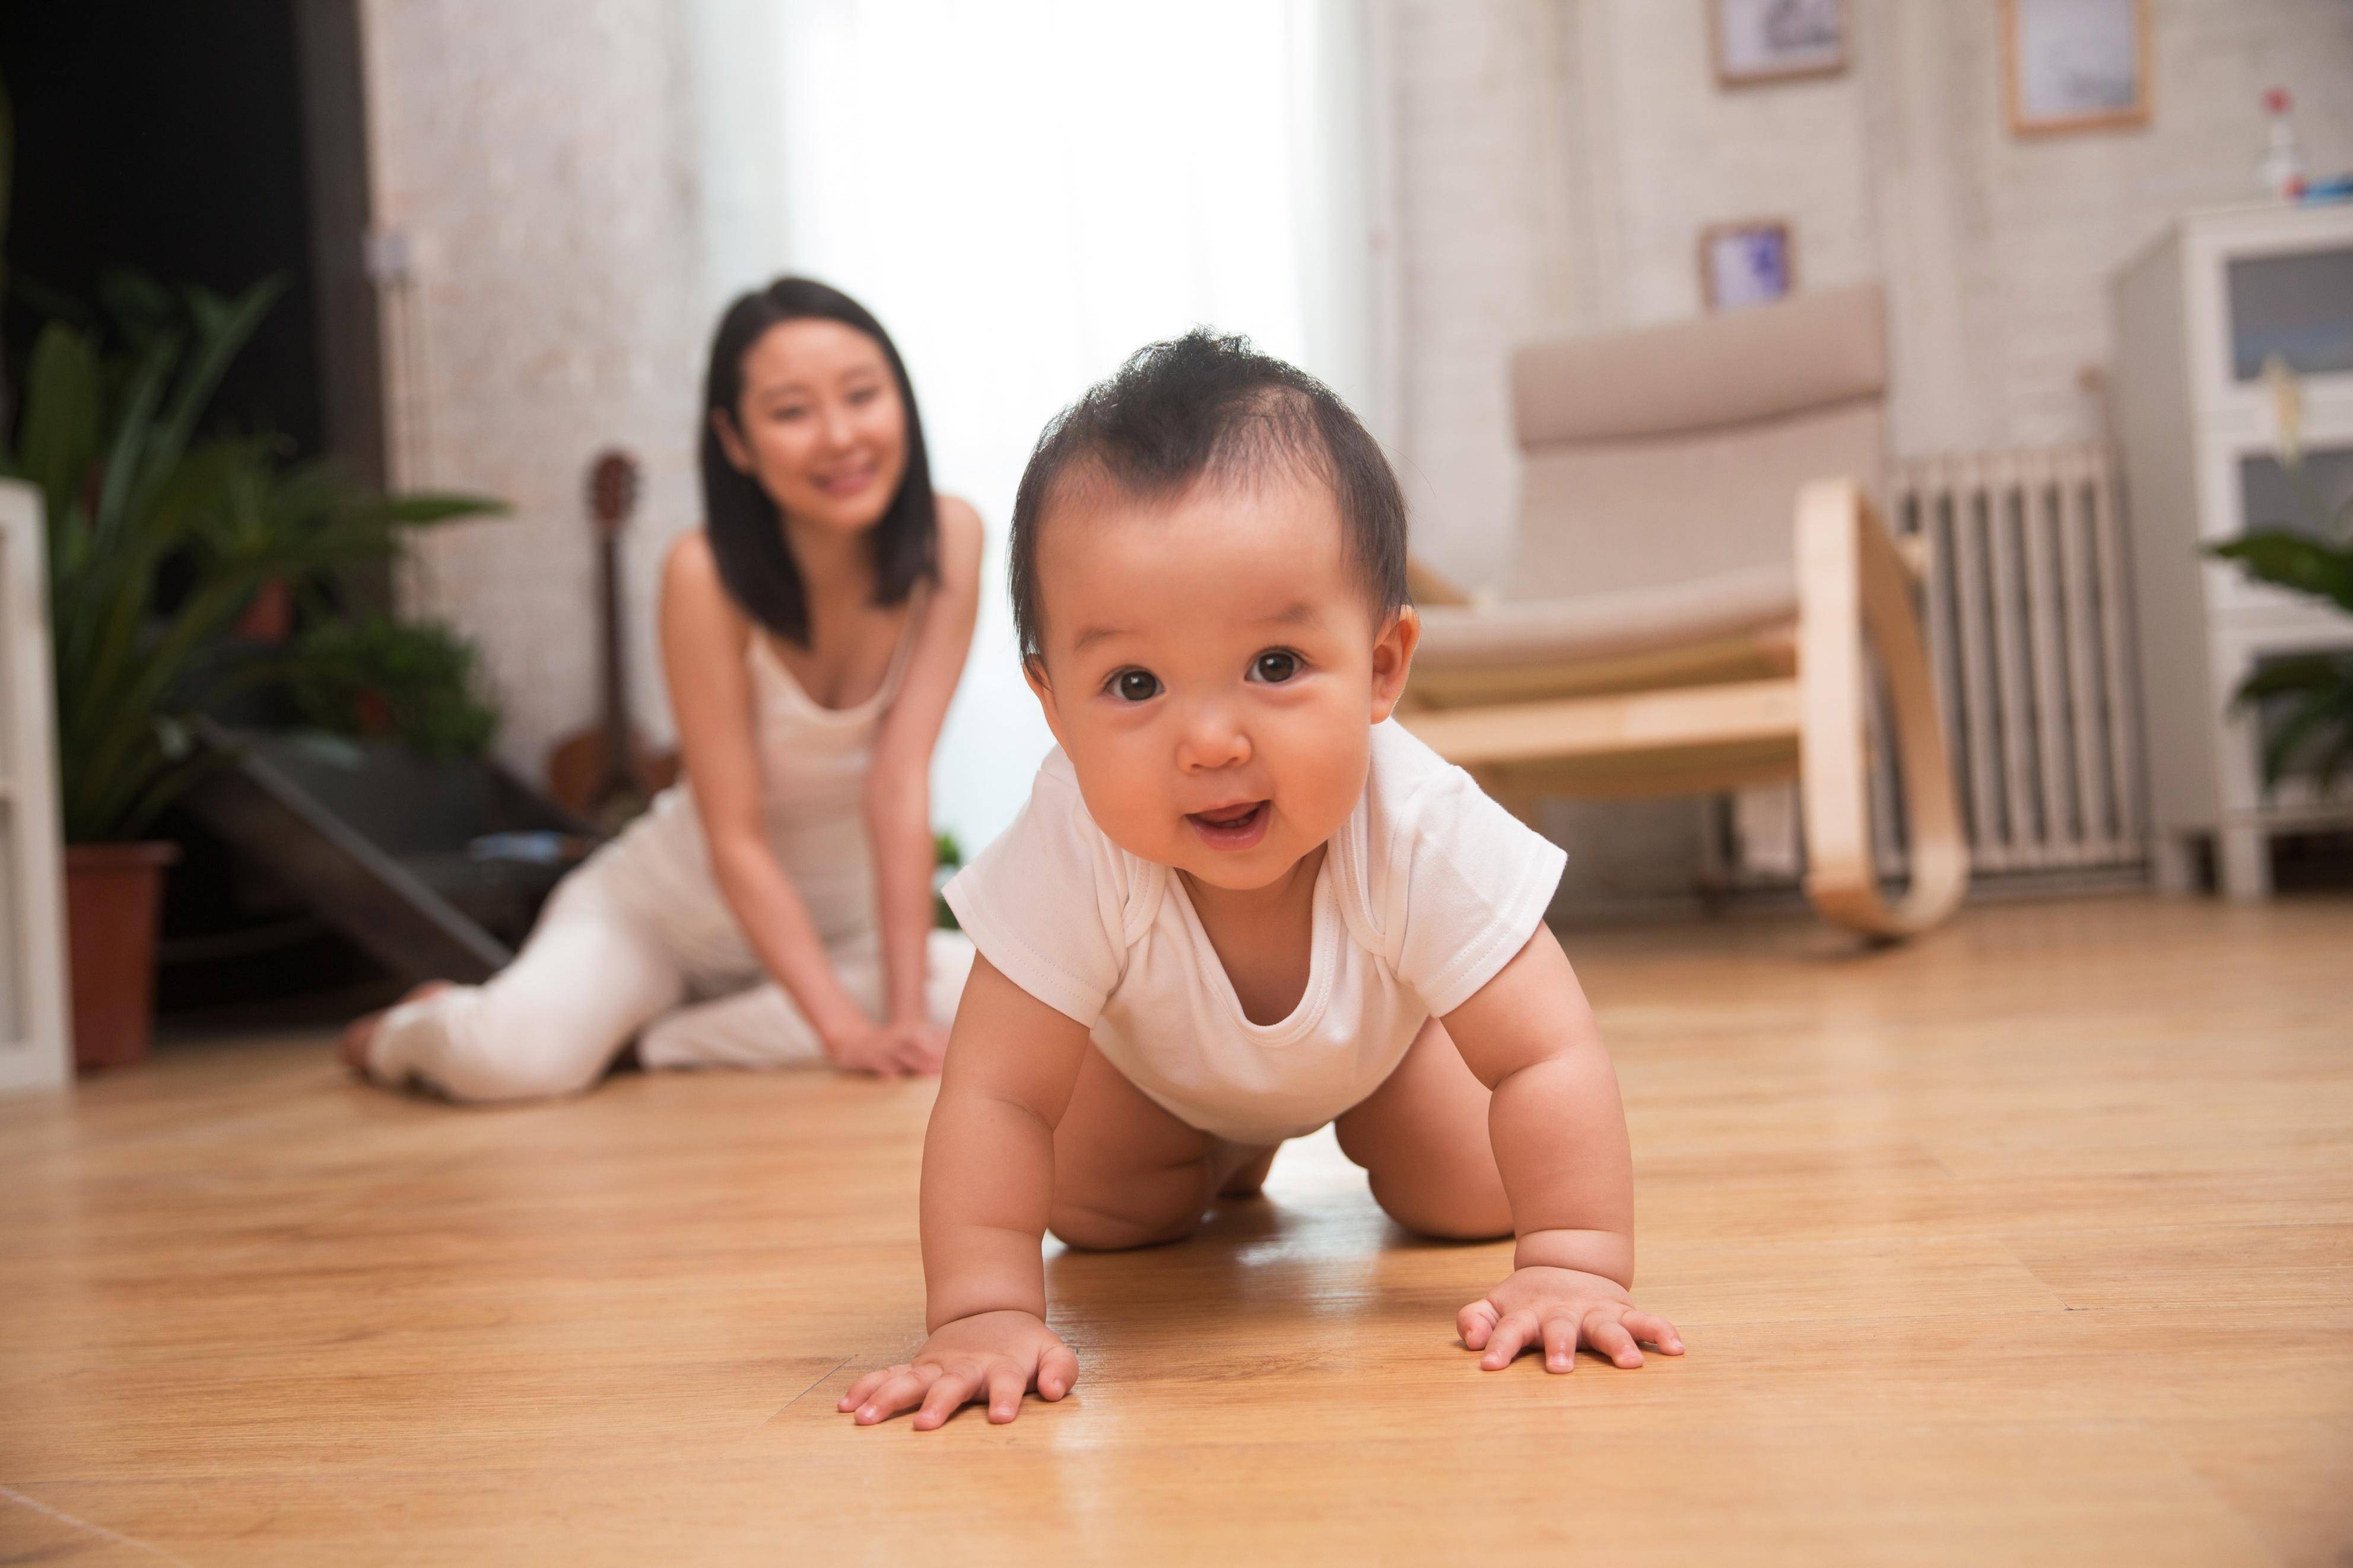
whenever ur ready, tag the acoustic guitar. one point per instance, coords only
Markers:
(608, 774)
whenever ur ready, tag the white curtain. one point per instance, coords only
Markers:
(1025, 192)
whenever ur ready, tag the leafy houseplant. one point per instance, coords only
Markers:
(947, 859)
(2306, 697)
(159, 539)
(417, 681)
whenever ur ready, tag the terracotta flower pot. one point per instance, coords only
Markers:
(269, 618)
(113, 898)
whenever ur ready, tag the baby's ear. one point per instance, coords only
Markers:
(1033, 670)
(1393, 659)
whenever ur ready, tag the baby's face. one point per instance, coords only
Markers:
(1213, 673)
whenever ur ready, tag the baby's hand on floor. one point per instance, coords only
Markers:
(1560, 1309)
(991, 1356)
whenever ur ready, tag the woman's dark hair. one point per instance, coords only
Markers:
(1206, 405)
(747, 535)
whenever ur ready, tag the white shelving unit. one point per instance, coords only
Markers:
(35, 1049)
(2197, 314)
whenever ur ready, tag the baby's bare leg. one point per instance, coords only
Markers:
(1422, 1139)
(1126, 1173)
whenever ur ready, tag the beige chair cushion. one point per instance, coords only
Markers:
(1605, 625)
(1646, 513)
(1669, 453)
(1768, 362)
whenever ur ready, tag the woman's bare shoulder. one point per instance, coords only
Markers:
(689, 567)
(690, 581)
(962, 535)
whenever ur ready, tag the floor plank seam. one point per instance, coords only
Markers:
(804, 1392)
(71, 1522)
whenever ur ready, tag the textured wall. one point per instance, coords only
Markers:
(2041, 224)
(1481, 209)
(536, 157)
(1558, 158)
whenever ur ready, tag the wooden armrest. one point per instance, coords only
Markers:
(1855, 588)
(1431, 587)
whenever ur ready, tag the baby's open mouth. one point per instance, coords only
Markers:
(1236, 826)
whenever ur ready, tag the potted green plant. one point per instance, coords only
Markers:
(416, 681)
(2306, 699)
(160, 538)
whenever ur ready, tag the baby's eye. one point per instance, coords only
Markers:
(1135, 686)
(1275, 666)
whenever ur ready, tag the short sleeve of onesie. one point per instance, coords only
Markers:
(1474, 885)
(1046, 901)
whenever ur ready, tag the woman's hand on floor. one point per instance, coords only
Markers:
(1560, 1309)
(994, 1357)
(888, 1050)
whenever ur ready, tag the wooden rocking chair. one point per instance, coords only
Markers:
(1662, 632)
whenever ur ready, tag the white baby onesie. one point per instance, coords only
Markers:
(1426, 891)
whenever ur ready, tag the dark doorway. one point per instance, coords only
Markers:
(214, 144)
(168, 139)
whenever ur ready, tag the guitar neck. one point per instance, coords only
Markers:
(614, 717)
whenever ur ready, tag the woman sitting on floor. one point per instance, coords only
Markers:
(774, 907)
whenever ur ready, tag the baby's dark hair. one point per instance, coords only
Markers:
(1206, 406)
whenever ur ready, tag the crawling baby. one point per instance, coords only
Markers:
(1243, 902)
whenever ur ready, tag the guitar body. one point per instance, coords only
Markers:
(582, 775)
(607, 773)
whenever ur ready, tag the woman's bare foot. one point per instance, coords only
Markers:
(354, 1046)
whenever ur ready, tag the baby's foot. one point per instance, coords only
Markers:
(352, 1047)
(1248, 1178)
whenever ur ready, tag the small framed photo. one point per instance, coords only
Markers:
(2075, 65)
(1746, 263)
(1776, 40)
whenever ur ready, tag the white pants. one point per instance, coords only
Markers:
(599, 968)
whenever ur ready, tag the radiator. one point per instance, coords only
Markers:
(2026, 609)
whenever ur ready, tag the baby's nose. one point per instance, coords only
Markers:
(1211, 739)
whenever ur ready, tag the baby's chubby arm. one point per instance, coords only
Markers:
(988, 1184)
(1559, 1137)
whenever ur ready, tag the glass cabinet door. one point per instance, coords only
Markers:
(2299, 306)
(2306, 498)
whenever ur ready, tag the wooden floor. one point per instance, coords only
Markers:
(2031, 1243)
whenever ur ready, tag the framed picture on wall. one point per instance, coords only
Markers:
(1746, 263)
(2075, 65)
(1774, 40)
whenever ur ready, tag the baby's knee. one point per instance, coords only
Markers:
(1445, 1211)
(1095, 1228)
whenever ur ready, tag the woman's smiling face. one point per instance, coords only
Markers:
(1212, 668)
(820, 424)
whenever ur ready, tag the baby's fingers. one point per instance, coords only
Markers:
(1560, 1343)
(868, 1385)
(1653, 1330)
(946, 1396)
(1513, 1332)
(1476, 1323)
(1006, 1388)
(1058, 1369)
(900, 1391)
(1606, 1334)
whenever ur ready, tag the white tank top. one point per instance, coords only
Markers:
(813, 766)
